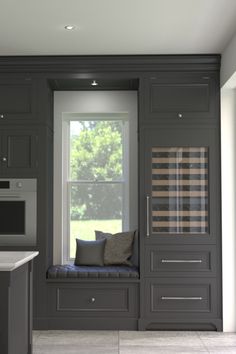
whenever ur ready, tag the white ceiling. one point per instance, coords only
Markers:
(36, 27)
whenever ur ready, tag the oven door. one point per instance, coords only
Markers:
(17, 218)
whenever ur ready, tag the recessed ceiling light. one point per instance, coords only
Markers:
(69, 27)
(94, 83)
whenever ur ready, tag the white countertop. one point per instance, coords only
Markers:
(12, 260)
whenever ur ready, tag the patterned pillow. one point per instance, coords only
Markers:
(118, 248)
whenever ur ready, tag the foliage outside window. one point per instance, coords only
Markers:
(96, 185)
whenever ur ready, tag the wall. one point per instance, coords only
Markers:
(228, 174)
(228, 62)
(93, 102)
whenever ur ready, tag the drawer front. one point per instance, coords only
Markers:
(180, 296)
(94, 299)
(183, 259)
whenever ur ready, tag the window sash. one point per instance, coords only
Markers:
(67, 182)
(70, 184)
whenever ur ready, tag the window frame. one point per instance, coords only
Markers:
(66, 182)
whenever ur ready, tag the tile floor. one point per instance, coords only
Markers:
(132, 342)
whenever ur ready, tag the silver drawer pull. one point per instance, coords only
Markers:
(181, 261)
(181, 298)
(148, 227)
(92, 299)
(9, 196)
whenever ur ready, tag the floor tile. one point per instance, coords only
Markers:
(222, 350)
(93, 338)
(160, 338)
(218, 339)
(160, 350)
(132, 342)
(74, 349)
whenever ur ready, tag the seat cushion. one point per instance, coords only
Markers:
(73, 271)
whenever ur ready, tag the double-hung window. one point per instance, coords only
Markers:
(95, 177)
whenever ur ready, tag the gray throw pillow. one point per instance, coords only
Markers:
(118, 248)
(89, 253)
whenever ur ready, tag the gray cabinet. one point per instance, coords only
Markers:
(185, 96)
(16, 310)
(18, 151)
(180, 216)
(93, 304)
(18, 99)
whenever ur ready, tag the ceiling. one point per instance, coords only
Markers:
(36, 27)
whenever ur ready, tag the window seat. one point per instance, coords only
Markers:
(73, 271)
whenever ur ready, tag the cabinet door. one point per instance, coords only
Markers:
(18, 153)
(180, 194)
(18, 100)
(187, 97)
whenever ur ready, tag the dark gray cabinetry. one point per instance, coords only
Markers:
(18, 151)
(180, 95)
(16, 310)
(18, 99)
(175, 93)
(180, 201)
(98, 304)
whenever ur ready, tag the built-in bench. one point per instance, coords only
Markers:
(94, 297)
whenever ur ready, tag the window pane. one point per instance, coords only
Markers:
(96, 151)
(180, 190)
(94, 207)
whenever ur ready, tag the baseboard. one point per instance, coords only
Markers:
(85, 323)
(180, 325)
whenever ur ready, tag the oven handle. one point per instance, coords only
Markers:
(9, 196)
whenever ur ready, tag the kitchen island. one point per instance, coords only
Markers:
(16, 302)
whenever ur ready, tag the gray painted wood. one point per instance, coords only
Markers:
(162, 126)
(16, 311)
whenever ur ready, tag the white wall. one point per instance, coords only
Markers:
(228, 173)
(228, 61)
(93, 102)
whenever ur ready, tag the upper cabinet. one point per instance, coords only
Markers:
(185, 96)
(18, 100)
(18, 151)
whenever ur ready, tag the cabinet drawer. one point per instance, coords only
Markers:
(180, 259)
(100, 299)
(181, 296)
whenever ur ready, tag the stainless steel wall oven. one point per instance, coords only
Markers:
(18, 211)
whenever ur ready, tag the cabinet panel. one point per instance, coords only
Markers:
(19, 151)
(180, 260)
(15, 99)
(18, 100)
(85, 299)
(181, 296)
(185, 96)
(93, 299)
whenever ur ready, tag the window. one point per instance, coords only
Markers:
(96, 178)
(89, 192)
